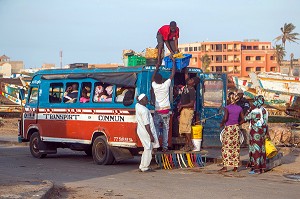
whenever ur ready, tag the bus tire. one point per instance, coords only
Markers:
(101, 153)
(34, 146)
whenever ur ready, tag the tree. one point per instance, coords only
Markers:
(279, 54)
(205, 59)
(287, 34)
(291, 61)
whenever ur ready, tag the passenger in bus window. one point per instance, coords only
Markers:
(100, 94)
(84, 96)
(120, 97)
(70, 96)
(128, 97)
(109, 91)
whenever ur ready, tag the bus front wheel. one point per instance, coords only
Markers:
(34, 146)
(101, 151)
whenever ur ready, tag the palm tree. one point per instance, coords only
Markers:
(279, 54)
(287, 34)
(205, 62)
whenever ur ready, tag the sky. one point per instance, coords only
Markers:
(97, 31)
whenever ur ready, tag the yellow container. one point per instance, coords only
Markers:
(151, 53)
(271, 150)
(197, 131)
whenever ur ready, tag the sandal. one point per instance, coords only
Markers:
(235, 169)
(253, 172)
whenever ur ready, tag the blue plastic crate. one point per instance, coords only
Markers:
(180, 62)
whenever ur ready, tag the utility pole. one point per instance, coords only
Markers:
(60, 55)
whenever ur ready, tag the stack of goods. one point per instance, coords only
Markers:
(127, 53)
(151, 56)
(131, 58)
(181, 61)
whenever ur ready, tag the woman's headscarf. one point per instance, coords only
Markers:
(232, 98)
(109, 90)
(99, 90)
(258, 101)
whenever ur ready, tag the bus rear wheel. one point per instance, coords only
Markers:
(101, 151)
(34, 146)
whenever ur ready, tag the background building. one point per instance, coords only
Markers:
(48, 66)
(9, 67)
(290, 67)
(5, 70)
(233, 57)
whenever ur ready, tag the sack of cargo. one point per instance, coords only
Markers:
(127, 53)
(151, 53)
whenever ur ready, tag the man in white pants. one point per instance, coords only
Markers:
(146, 132)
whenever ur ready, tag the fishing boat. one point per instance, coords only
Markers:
(280, 91)
(11, 88)
(277, 82)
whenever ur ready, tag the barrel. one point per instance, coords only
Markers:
(197, 131)
(271, 150)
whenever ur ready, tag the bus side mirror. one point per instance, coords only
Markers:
(21, 94)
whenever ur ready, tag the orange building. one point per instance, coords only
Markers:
(233, 57)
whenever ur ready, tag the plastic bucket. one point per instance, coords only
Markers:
(197, 144)
(271, 150)
(197, 131)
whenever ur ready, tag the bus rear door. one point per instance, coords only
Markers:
(213, 88)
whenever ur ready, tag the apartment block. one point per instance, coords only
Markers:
(233, 57)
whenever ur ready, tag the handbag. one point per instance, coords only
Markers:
(271, 150)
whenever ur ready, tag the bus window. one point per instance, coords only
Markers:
(56, 92)
(71, 93)
(33, 95)
(103, 92)
(129, 97)
(212, 95)
(85, 92)
(121, 93)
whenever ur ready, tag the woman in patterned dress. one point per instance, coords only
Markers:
(258, 117)
(231, 137)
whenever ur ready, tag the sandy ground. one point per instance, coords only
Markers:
(279, 133)
(9, 127)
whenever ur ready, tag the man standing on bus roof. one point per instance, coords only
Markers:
(146, 132)
(186, 109)
(162, 104)
(167, 34)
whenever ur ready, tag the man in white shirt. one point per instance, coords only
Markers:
(162, 104)
(146, 132)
